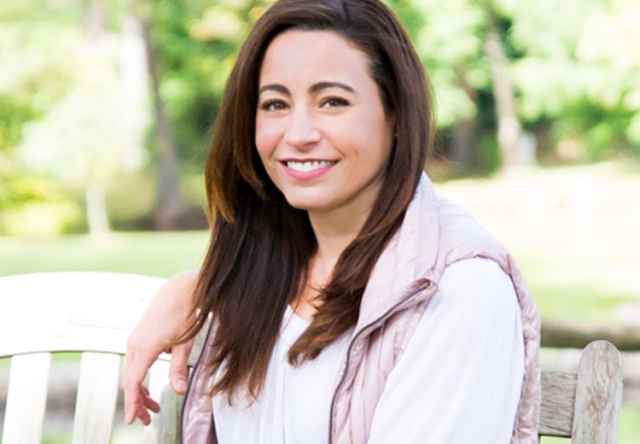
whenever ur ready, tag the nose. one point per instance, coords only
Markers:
(302, 131)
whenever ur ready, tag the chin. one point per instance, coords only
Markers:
(306, 206)
(307, 203)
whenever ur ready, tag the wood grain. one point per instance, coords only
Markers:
(558, 396)
(598, 395)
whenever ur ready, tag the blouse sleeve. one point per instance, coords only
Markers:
(460, 376)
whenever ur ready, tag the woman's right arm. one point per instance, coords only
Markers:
(169, 315)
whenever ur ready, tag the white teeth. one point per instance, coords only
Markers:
(308, 166)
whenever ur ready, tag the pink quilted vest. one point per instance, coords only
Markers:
(435, 233)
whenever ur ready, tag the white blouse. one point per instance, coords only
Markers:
(458, 381)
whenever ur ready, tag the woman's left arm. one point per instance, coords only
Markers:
(460, 376)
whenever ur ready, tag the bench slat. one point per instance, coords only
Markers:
(598, 395)
(556, 411)
(97, 396)
(26, 399)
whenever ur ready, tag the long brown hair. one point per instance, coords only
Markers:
(260, 246)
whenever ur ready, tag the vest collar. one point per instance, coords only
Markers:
(404, 264)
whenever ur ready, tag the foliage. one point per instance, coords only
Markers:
(63, 117)
(450, 44)
(14, 113)
(131, 210)
(35, 205)
(198, 42)
(574, 65)
(586, 76)
(153, 254)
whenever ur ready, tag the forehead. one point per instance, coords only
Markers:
(298, 56)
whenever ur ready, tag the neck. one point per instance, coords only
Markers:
(334, 231)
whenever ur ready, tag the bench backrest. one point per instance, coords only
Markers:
(584, 406)
(88, 313)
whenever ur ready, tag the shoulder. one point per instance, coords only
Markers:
(461, 237)
(475, 292)
(476, 275)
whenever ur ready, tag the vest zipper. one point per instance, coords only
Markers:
(342, 378)
(355, 339)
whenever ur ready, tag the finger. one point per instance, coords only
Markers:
(141, 410)
(133, 399)
(133, 374)
(132, 406)
(143, 415)
(178, 368)
(151, 404)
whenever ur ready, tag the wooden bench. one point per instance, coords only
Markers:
(584, 406)
(88, 313)
(92, 314)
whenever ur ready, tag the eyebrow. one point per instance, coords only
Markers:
(315, 88)
(325, 85)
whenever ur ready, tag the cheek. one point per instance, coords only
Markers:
(373, 136)
(267, 138)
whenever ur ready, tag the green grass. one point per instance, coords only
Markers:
(576, 285)
(154, 254)
(562, 287)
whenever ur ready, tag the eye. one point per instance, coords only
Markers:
(273, 105)
(334, 102)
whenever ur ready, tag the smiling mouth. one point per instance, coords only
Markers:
(307, 166)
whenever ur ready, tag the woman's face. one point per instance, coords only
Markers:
(321, 128)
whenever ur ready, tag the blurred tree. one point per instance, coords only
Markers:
(546, 64)
(65, 60)
(170, 203)
(73, 102)
(473, 50)
(15, 111)
(580, 70)
(449, 38)
(32, 81)
(191, 47)
(508, 122)
(197, 42)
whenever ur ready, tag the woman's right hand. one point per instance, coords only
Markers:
(168, 317)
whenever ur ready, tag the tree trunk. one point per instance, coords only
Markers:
(170, 203)
(96, 211)
(134, 76)
(506, 116)
(464, 146)
(94, 19)
(95, 29)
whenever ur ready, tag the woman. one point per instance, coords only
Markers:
(348, 300)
